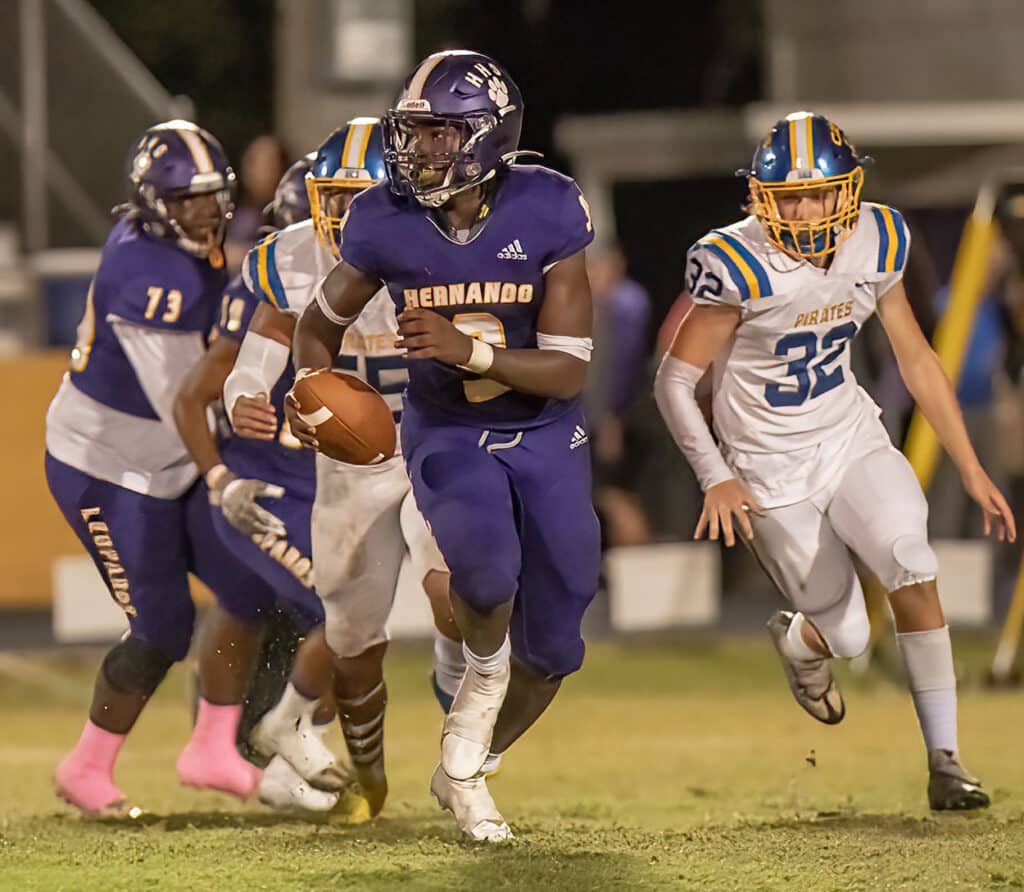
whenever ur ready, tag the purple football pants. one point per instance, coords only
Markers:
(145, 548)
(512, 515)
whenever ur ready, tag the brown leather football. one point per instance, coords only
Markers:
(353, 423)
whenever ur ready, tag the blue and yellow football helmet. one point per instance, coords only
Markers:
(806, 152)
(349, 160)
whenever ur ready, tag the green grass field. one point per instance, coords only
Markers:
(661, 765)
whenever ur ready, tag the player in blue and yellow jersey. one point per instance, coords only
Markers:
(364, 519)
(275, 542)
(803, 466)
(115, 463)
(484, 259)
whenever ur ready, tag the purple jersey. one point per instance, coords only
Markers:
(149, 282)
(490, 286)
(282, 460)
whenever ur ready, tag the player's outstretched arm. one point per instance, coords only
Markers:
(926, 380)
(201, 387)
(701, 336)
(261, 361)
(558, 370)
(321, 328)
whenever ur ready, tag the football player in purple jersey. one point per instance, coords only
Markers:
(118, 469)
(484, 259)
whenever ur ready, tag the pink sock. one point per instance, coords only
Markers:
(210, 759)
(98, 748)
(85, 777)
(217, 725)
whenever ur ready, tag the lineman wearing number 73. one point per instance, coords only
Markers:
(803, 465)
(483, 258)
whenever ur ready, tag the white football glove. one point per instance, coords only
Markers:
(238, 505)
(218, 477)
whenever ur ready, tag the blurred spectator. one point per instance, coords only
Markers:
(263, 163)
(617, 375)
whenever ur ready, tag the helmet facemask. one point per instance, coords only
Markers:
(814, 238)
(211, 245)
(329, 198)
(432, 156)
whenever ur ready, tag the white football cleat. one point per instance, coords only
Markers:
(469, 725)
(303, 747)
(470, 802)
(283, 789)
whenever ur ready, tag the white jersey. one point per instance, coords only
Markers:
(285, 268)
(786, 405)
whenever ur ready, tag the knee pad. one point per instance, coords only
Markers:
(913, 562)
(135, 667)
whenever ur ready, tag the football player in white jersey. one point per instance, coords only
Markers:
(364, 518)
(803, 466)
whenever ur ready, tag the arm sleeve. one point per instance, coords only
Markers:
(573, 229)
(260, 363)
(675, 392)
(161, 359)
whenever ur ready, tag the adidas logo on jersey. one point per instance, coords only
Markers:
(579, 438)
(512, 251)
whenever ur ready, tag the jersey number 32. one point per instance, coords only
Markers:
(803, 368)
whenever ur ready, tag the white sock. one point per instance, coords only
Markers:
(495, 664)
(796, 647)
(291, 708)
(928, 657)
(449, 663)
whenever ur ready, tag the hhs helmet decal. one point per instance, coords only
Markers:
(455, 124)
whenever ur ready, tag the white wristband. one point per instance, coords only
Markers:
(481, 359)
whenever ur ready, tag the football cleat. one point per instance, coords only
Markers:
(284, 789)
(810, 680)
(303, 747)
(950, 787)
(469, 725)
(471, 804)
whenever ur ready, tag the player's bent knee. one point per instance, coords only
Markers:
(849, 638)
(136, 667)
(913, 560)
(347, 639)
(484, 589)
(555, 664)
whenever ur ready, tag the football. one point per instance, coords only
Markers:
(353, 422)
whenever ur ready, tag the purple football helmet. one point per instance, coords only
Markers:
(291, 203)
(455, 124)
(177, 160)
